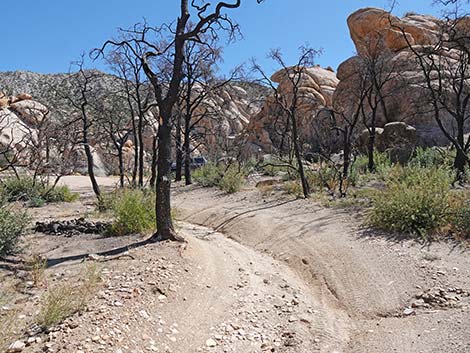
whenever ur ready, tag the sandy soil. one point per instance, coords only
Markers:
(258, 274)
(368, 282)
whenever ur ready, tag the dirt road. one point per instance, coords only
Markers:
(372, 284)
(260, 274)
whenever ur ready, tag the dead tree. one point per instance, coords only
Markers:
(445, 69)
(138, 96)
(199, 86)
(113, 124)
(210, 19)
(374, 72)
(78, 91)
(288, 103)
(346, 124)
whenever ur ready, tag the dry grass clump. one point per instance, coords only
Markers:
(65, 300)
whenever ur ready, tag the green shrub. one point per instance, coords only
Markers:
(326, 176)
(59, 194)
(12, 227)
(430, 157)
(459, 219)
(359, 173)
(415, 201)
(208, 175)
(22, 189)
(232, 180)
(275, 166)
(293, 187)
(134, 212)
(35, 193)
(228, 178)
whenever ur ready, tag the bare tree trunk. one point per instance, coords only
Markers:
(179, 152)
(298, 156)
(460, 159)
(136, 153)
(165, 229)
(153, 176)
(370, 150)
(89, 158)
(140, 129)
(121, 168)
(187, 152)
(346, 162)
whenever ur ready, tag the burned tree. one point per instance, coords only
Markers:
(288, 103)
(139, 97)
(113, 123)
(374, 72)
(199, 86)
(444, 67)
(78, 91)
(210, 19)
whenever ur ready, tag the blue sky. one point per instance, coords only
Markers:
(46, 35)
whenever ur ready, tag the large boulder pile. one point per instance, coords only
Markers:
(20, 118)
(385, 40)
(316, 88)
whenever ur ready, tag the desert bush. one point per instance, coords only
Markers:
(37, 266)
(430, 157)
(293, 187)
(326, 176)
(35, 193)
(133, 211)
(208, 175)
(275, 166)
(232, 180)
(59, 194)
(106, 201)
(229, 178)
(359, 173)
(415, 201)
(12, 226)
(459, 218)
(65, 300)
(21, 189)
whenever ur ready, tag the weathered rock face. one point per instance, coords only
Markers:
(30, 111)
(235, 104)
(380, 38)
(316, 88)
(374, 30)
(397, 138)
(18, 126)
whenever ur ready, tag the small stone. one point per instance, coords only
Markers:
(144, 314)
(17, 346)
(211, 343)
(408, 311)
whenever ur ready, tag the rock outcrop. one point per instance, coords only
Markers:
(233, 106)
(397, 138)
(383, 42)
(316, 88)
(19, 122)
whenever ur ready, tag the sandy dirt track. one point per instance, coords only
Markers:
(263, 274)
(368, 282)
